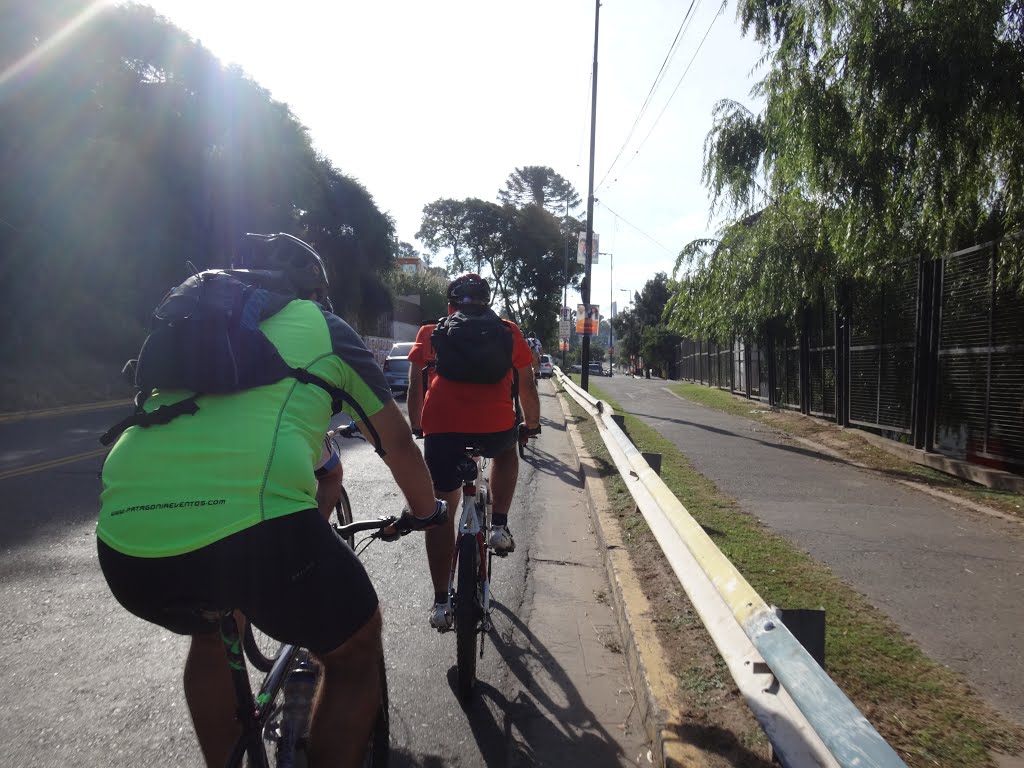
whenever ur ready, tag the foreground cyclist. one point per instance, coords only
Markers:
(452, 411)
(219, 509)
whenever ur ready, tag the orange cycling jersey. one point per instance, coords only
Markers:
(455, 406)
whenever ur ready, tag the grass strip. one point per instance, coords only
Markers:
(928, 713)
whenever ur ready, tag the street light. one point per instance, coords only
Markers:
(611, 301)
(627, 290)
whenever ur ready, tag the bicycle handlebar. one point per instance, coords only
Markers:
(365, 525)
(349, 431)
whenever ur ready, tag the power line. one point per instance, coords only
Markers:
(624, 221)
(683, 25)
(658, 119)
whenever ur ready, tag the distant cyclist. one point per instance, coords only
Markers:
(455, 409)
(218, 509)
(536, 348)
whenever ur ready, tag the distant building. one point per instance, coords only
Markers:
(413, 265)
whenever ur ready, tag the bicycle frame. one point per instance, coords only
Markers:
(255, 712)
(253, 718)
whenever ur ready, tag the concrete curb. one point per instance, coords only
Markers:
(656, 688)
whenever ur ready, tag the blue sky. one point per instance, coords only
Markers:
(421, 101)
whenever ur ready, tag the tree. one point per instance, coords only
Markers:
(522, 250)
(539, 185)
(890, 130)
(155, 160)
(895, 124)
(658, 348)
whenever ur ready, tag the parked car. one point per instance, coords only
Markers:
(597, 370)
(396, 368)
(547, 368)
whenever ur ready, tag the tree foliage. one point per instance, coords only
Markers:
(541, 186)
(890, 130)
(129, 150)
(642, 331)
(520, 248)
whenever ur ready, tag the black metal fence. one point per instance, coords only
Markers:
(935, 358)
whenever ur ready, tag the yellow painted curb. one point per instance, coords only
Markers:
(657, 688)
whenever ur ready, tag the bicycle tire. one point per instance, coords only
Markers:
(466, 615)
(260, 649)
(342, 515)
(378, 752)
(522, 451)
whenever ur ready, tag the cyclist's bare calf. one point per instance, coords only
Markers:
(211, 697)
(348, 701)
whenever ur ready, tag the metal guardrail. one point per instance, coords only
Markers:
(807, 718)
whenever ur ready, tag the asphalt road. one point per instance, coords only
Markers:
(950, 577)
(85, 683)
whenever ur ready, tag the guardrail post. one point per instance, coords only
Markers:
(807, 625)
(619, 419)
(654, 459)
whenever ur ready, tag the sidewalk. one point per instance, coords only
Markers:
(948, 576)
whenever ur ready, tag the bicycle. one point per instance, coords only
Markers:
(469, 582)
(269, 719)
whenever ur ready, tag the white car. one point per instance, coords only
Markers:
(547, 369)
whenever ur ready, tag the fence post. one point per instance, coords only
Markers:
(805, 361)
(924, 363)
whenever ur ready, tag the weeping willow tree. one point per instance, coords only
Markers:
(890, 130)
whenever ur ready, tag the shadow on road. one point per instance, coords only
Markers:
(548, 729)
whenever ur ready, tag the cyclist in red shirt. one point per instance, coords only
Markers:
(447, 411)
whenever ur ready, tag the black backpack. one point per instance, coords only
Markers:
(205, 337)
(474, 348)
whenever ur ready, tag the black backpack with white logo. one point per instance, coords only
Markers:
(205, 338)
(474, 347)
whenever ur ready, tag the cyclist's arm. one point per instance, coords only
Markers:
(404, 459)
(414, 398)
(529, 398)
(420, 354)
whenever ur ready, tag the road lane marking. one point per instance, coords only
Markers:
(61, 410)
(51, 464)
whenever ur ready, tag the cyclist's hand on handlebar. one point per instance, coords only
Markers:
(526, 433)
(408, 522)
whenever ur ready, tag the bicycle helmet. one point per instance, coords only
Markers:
(287, 254)
(469, 289)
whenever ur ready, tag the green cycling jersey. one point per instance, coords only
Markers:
(241, 458)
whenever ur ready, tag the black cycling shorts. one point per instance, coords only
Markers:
(291, 576)
(442, 452)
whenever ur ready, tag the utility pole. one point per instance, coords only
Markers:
(563, 315)
(585, 369)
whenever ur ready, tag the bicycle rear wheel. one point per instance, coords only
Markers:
(467, 614)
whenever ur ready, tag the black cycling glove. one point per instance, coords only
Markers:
(408, 522)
